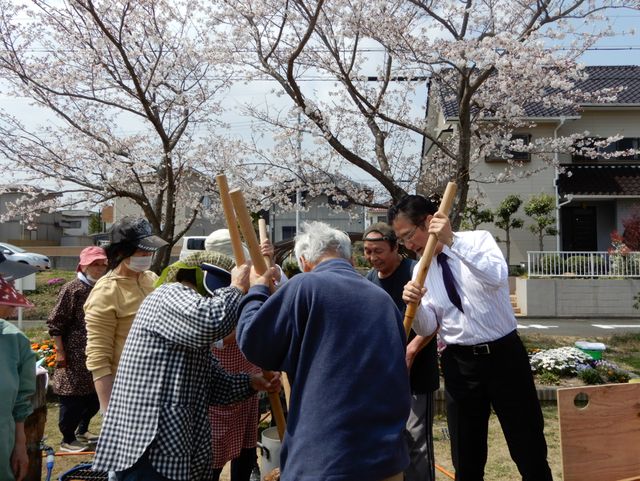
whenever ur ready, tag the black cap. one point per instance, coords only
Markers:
(14, 270)
(137, 232)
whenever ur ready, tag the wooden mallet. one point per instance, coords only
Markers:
(427, 256)
(259, 264)
(262, 230)
(230, 217)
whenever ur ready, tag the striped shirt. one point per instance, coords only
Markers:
(481, 277)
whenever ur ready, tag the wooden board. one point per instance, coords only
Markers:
(600, 441)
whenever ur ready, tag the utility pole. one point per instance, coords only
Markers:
(298, 195)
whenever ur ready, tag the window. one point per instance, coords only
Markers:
(196, 243)
(71, 224)
(288, 232)
(513, 155)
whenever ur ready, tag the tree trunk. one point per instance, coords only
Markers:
(161, 259)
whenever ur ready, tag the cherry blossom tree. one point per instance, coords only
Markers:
(490, 61)
(130, 97)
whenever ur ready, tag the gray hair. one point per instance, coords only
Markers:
(318, 240)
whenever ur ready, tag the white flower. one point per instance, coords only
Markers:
(563, 361)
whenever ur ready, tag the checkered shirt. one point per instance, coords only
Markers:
(233, 427)
(166, 379)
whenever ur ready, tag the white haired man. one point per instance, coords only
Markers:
(350, 384)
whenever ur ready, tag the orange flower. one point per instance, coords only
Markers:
(51, 364)
(35, 346)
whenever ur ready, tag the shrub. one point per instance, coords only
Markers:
(550, 264)
(611, 372)
(602, 372)
(549, 379)
(582, 265)
(290, 268)
(517, 270)
(590, 375)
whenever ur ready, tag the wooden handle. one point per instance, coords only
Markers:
(425, 260)
(262, 230)
(230, 217)
(249, 234)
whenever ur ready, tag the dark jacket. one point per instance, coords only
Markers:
(350, 393)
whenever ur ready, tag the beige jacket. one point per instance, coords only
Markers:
(109, 313)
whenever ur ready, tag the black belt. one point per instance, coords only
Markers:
(484, 348)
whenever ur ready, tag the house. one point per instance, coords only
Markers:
(203, 224)
(45, 230)
(375, 215)
(75, 227)
(593, 196)
(284, 222)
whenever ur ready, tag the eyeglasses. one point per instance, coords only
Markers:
(408, 236)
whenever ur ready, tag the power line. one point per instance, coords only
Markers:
(360, 50)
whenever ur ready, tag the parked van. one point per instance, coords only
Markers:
(191, 244)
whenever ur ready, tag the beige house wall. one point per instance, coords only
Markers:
(542, 181)
(598, 122)
(602, 122)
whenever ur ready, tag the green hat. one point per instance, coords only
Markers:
(194, 261)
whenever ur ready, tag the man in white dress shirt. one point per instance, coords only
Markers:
(485, 364)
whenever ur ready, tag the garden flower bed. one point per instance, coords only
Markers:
(551, 366)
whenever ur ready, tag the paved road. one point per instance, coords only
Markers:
(594, 327)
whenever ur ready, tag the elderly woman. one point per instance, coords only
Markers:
(18, 375)
(116, 297)
(159, 431)
(72, 381)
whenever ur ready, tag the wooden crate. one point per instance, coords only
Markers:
(600, 441)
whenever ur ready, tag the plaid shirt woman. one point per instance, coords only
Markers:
(156, 424)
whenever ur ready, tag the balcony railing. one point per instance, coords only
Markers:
(583, 264)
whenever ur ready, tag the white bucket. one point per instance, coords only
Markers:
(270, 447)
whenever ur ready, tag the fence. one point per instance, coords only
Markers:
(583, 264)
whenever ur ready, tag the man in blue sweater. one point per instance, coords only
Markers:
(350, 393)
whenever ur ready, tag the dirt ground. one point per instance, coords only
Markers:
(499, 465)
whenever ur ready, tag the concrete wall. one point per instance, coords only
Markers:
(561, 297)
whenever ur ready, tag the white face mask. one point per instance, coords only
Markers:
(140, 263)
(91, 279)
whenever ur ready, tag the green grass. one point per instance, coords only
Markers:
(623, 349)
(45, 296)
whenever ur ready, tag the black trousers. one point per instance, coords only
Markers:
(496, 375)
(241, 466)
(75, 414)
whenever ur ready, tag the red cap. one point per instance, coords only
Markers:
(91, 254)
(10, 297)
